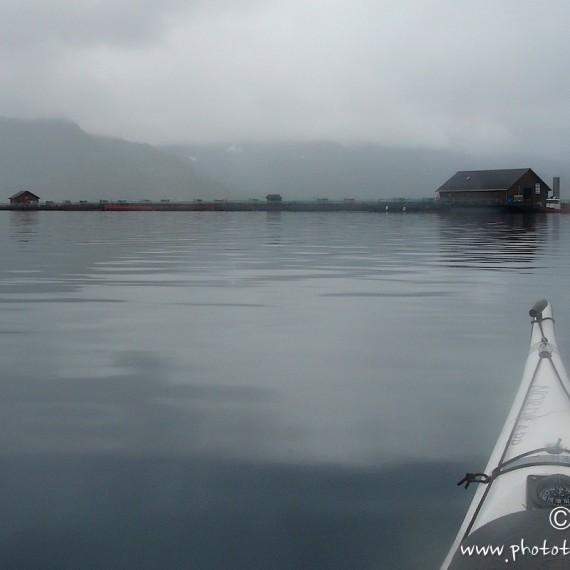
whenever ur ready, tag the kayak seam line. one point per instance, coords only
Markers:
(560, 381)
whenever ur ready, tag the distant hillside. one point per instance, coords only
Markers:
(323, 169)
(57, 160)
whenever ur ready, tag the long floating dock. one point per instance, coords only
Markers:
(323, 205)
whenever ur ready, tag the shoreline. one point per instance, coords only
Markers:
(321, 205)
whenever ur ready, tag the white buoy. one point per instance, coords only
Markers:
(404, 209)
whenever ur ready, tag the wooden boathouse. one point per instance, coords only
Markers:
(517, 187)
(24, 198)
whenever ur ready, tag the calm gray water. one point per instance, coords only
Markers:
(258, 390)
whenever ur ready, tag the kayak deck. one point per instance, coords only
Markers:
(526, 474)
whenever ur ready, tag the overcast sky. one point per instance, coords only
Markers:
(485, 75)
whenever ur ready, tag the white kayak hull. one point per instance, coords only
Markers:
(525, 477)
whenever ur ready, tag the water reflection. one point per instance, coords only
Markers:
(259, 390)
(274, 228)
(492, 240)
(101, 511)
(23, 225)
(135, 412)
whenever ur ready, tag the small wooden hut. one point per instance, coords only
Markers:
(24, 198)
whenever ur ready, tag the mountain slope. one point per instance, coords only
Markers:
(306, 170)
(57, 160)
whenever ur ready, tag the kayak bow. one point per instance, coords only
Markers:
(528, 474)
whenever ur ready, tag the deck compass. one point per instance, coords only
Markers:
(547, 492)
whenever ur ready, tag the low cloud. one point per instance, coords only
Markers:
(415, 73)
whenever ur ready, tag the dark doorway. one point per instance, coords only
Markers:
(527, 194)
